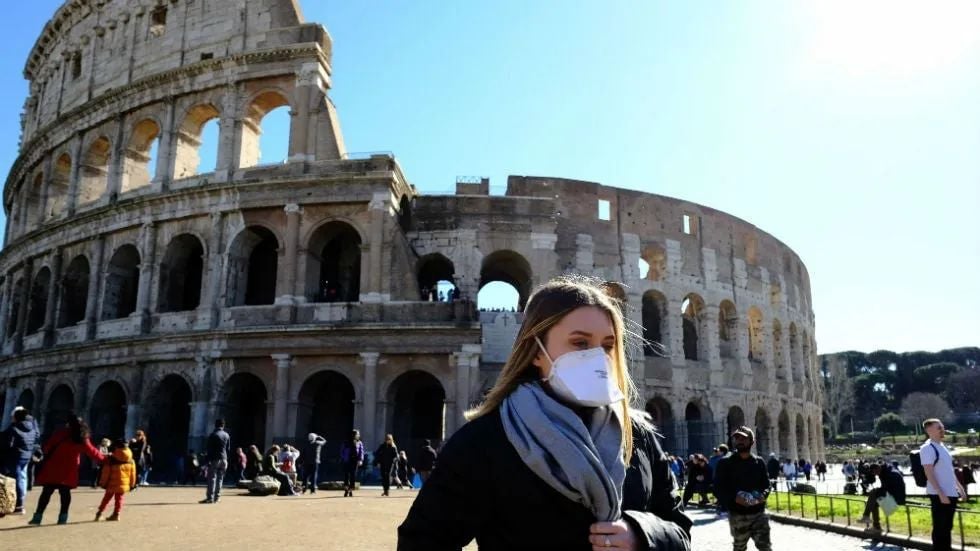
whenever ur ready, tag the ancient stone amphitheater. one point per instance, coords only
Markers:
(143, 293)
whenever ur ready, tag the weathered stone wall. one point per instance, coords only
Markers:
(287, 297)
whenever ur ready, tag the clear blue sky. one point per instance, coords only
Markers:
(850, 131)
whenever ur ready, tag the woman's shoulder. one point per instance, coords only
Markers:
(478, 433)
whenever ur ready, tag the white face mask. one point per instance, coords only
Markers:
(583, 377)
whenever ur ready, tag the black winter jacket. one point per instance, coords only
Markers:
(19, 440)
(482, 489)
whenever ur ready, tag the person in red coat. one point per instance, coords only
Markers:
(61, 462)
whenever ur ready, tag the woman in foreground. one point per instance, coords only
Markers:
(554, 458)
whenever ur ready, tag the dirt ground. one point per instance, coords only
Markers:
(170, 518)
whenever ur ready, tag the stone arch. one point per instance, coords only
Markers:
(181, 274)
(139, 158)
(61, 403)
(26, 399)
(509, 267)
(756, 335)
(435, 272)
(655, 258)
(727, 329)
(778, 361)
(253, 264)
(794, 352)
(663, 420)
(801, 444)
(701, 429)
(654, 312)
(325, 405)
(38, 305)
(693, 325)
(256, 109)
(187, 151)
(74, 292)
(167, 415)
(107, 413)
(763, 425)
(333, 266)
(59, 187)
(35, 202)
(17, 295)
(784, 428)
(93, 177)
(122, 281)
(243, 407)
(734, 420)
(418, 409)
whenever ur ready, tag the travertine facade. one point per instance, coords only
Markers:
(286, 297)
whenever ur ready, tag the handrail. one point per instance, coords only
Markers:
(785, 505)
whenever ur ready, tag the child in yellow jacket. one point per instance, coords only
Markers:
(118, 477)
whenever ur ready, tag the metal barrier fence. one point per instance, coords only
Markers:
(849, 510)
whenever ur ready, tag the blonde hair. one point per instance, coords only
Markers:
(545, 308)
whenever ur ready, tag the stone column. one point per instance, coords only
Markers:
(50, 310)
(94, 283)
(215, 268)
(116, 157)
(74, 175)
(8, 404)
(377, 209)
(711, 338)
(675, 333)
(198, 429)
(307, 84)
(281, 395)
(230, 136)
(288, 294)
(165, 152)
(133, 411)
(22, 310)
(147, 261)
(369, 400)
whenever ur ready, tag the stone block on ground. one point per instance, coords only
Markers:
(264, 486)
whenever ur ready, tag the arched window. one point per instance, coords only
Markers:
(58, 188)
(39, 300)
(333, 269)
(727, 329)
(197, 142)
(74, 292)
(122, 282)
(265, 130)
(692, 312)
(139, 164)
(253, 260)
(508, 272)
(181, 274)
(436, 276)
(654, 314)
(94, 173)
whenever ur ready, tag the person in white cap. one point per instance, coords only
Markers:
(311, 469)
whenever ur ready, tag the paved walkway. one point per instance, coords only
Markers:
(161, 518)
(710, 533)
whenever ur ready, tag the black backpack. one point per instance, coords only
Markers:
(918, 471)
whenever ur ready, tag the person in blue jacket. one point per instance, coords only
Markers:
(20, 440)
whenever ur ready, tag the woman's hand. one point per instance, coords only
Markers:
(612, 535)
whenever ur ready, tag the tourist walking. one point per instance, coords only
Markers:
(742, 486)
(773, 469)
(140, 448)
(351, 457)
(217, 447)
(821, 468)
(892, 483)
(554, 458)
(118, 477)
(943, 489)
(789, 471)
(385, 457)
(426, 461)
(241, 463)
(311, 470)
(18, 443)
(403, 473)
(698, 475)
(60, 468)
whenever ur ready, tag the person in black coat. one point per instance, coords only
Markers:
(512, 493)
(385, 457)
(426, 460)
(892, 483)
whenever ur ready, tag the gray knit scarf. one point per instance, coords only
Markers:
(585, 464)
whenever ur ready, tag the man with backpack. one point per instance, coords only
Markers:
(934, 464)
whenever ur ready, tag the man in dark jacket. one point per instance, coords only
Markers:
(892, 483)
(773, 468)
(311, 470)
(217, 461)
(426, 461)
(19, 440)
(743, 486)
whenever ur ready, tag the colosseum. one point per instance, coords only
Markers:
(144, 292)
